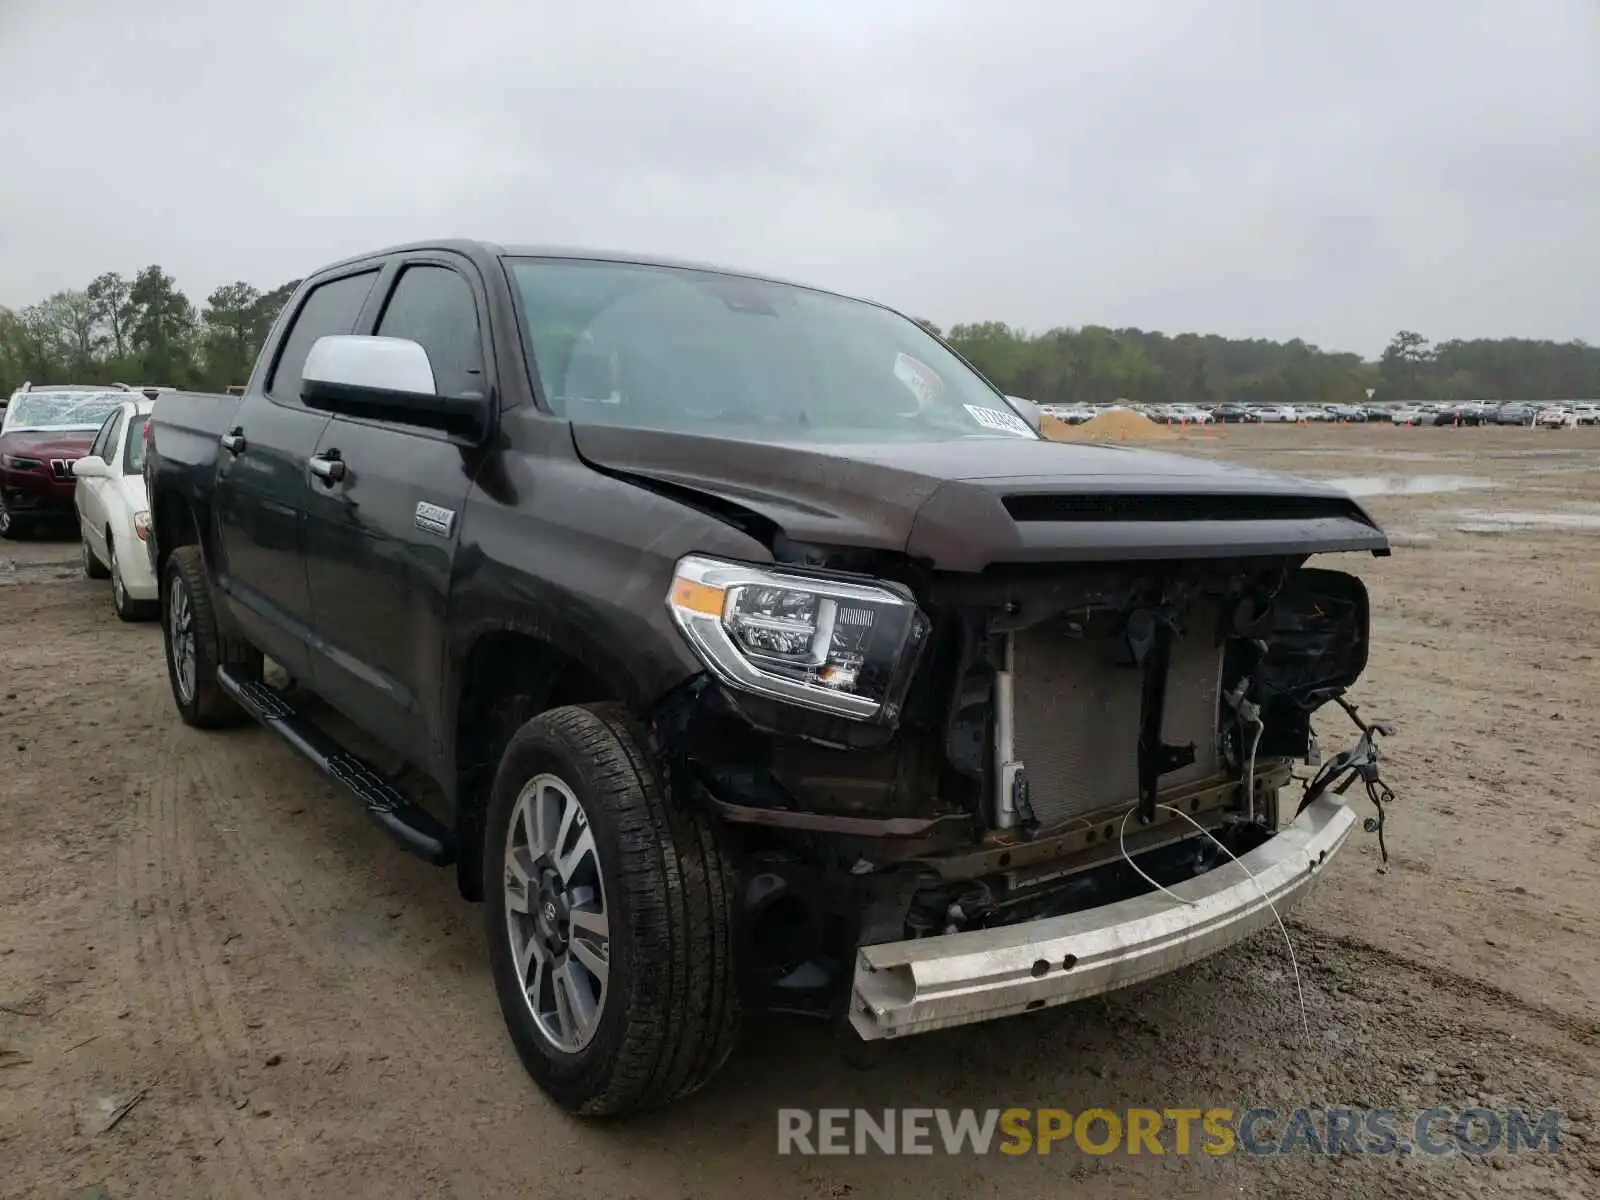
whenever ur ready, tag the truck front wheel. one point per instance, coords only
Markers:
(610, 918)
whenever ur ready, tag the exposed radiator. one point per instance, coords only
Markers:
(1076, 724)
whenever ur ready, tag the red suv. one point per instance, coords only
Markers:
(44, 430)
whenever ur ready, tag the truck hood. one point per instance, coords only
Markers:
(967, 504)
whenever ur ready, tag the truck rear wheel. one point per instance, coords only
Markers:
(610, 918)
(196, 647)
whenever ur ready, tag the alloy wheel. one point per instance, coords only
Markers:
(180, 629)
(556, 915)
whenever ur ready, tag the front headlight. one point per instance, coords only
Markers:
(18, 463)
(835, 645)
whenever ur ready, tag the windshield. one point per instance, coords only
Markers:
(133, 448)
(706, 353)
(60, 410)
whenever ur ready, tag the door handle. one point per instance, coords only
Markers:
(233, 441)
(327, 467)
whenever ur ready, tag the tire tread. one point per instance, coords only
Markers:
(682, 1011)
(212, 707)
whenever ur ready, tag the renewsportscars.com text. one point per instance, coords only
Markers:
(1178, 1131)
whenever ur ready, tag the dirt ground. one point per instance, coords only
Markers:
(202, 922)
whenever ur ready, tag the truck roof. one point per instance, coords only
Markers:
(484, 253)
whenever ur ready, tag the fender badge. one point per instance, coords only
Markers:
(433, 519)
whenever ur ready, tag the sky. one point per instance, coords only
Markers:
(1256, 168)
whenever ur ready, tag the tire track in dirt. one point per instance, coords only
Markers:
(1384, 960)
(239, 787)
(137, 984)
(165, 884)
(390, 949)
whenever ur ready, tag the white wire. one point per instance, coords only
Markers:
(1294, 962)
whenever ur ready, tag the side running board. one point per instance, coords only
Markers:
(412, 826)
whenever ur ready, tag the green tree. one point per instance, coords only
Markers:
(234, 330)
(1405, 365)
(161, 329)
(74, 318)
(272, 303)
(13, 358)
(41, 343)
(109, 294)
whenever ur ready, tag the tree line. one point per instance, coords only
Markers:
(144, 330)
(1096, 365)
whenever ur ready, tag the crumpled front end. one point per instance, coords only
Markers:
(1066, 738)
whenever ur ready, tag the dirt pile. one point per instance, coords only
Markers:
(1112, 425)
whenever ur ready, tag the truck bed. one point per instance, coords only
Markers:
(184, 432)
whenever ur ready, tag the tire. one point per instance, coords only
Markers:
(669, 1012)
(12, 528)
(93, 568)
(125, 606)
(186, 603)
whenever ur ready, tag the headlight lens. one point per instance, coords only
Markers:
(17, 463)
(141, 525)
(835, 645)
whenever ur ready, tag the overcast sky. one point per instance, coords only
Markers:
(1332, 169)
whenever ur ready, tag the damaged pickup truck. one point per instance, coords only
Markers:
(758, 651)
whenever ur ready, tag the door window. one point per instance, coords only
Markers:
(103, 438)
(133, 447)
(331, 307)
(109, 450)
(434, 307)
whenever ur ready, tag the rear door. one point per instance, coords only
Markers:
(382, 539)
(263, 480)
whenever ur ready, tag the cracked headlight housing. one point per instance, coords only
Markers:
(839, 646)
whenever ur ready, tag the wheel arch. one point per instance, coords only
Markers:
(174, 522)
(504, 673)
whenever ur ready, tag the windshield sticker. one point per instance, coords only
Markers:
(993, 418)
(920, 379)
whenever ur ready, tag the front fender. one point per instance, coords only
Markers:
(582, 561)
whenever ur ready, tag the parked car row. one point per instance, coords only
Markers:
(1563, 415)
(76, 453)
(1514, 412)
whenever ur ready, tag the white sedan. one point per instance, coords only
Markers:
(1557, 418)
(114, 511)
(1278, 412)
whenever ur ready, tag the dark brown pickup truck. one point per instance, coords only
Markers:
(760, 651)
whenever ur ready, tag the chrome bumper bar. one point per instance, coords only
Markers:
(931, 983)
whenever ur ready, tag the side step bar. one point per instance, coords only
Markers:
(410, 825)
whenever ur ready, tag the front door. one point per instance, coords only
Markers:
(89, 494)
(382, 538)
(263, 483)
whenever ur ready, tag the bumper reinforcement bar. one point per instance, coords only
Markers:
(929, 983)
